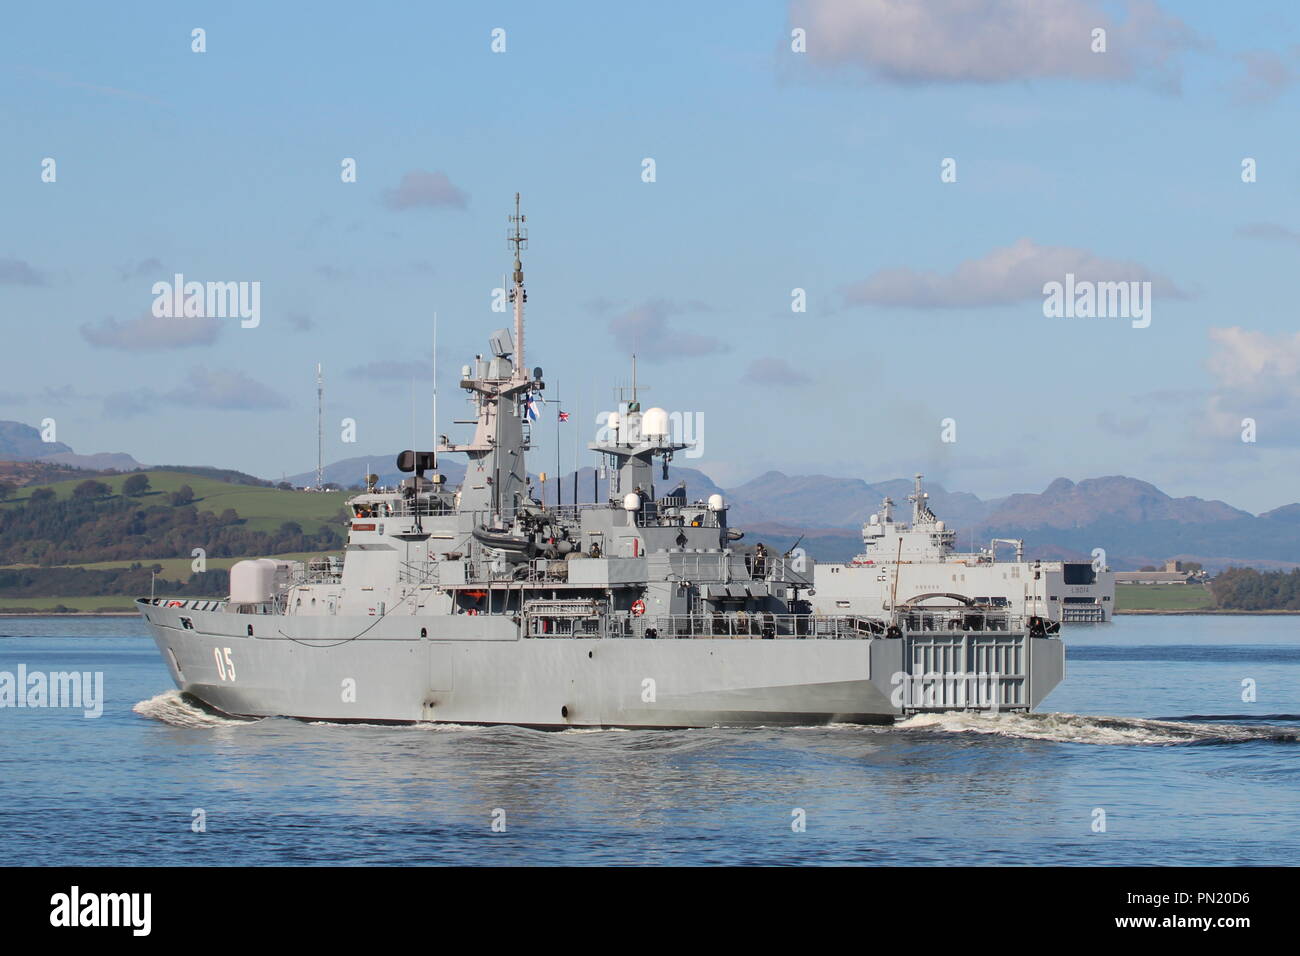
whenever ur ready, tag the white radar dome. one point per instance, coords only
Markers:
(716, 503)
(631, 502)
(654, 423)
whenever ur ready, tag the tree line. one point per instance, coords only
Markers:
(88, 527)
(1246, 589)
(134, 581)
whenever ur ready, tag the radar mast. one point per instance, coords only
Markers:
(518, 238)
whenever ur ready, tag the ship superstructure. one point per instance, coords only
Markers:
(637, 609)
(905, 564)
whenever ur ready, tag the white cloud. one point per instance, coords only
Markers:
(151, 267)
(225, 389)
(1264, 75)
(1014, 273)
(390, 369)
(148, 331)
(18, 272)
(775, 371)
(419, 188)
(644, 330)
(1268, 231)
(1256, 375)
(333, 272)
(1123, 426)
(130, 403)
(993, 41)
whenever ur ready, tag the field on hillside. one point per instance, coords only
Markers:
(263, 509)
(1162, 597)
(85, 604)
(179, 569)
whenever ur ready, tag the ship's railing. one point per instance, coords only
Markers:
(759, 625)
(576, 617)
(317, 571)
(659, 515)
(663, 513)
(190, 604)
(425, 508)
(548, 619)
(787, 570)
(534, 571)
(959, 619)
(274, 606)
(574, 512)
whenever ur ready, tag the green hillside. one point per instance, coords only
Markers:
(73, 552)
(263, 509)
(175, 568)
(1162, 597)
(85, 605)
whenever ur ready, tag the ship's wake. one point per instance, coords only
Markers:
(178, 710)
(1083, 729)
(173, 707)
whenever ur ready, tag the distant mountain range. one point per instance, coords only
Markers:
(1134, 521)
(19, 442)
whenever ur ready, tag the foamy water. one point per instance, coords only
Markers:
(172, 708)
(1106, 731)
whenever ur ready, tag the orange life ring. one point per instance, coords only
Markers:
(638, 607)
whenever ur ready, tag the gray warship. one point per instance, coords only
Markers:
(482, 605)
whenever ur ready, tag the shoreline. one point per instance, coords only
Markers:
(1207, 610)
(48, 613)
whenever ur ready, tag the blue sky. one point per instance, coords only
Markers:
(775, 170)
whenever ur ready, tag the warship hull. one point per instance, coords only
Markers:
(488, 605)
(479, 670)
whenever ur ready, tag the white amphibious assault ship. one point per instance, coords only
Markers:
(909, 565)
(641, 609)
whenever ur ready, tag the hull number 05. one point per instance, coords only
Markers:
(225, 666)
